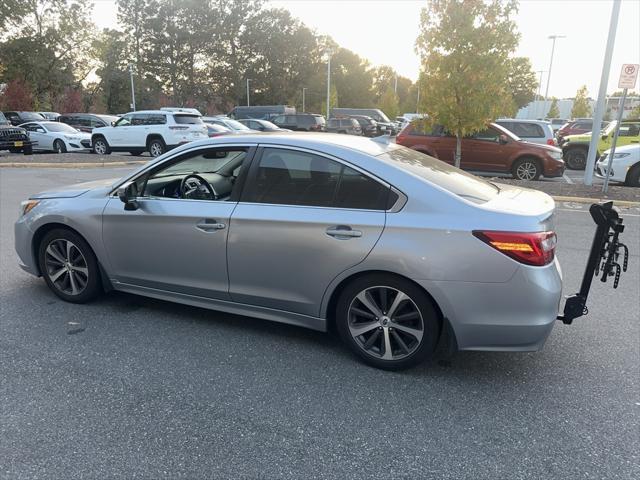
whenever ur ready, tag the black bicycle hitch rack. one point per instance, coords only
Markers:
(603, 258)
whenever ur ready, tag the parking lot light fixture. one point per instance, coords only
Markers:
(553, 47)
(248, 80)
(329, 54)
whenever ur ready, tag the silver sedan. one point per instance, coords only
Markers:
(394, 248)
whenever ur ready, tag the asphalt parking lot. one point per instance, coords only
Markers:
(129, 387)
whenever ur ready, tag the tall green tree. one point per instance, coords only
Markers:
(522, 83)
(581, 106)
(389, 104)
(554, 111)
(465, 47)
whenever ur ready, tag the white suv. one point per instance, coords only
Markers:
(533, 131)
(153, 131)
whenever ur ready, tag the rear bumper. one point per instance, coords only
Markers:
(516, 315)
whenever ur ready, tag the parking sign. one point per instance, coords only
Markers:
(628, 75)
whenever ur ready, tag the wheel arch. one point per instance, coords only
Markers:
(528, 155)
(154, 136)
(40, 233)
(329, 309)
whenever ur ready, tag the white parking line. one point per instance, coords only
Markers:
(567, 179)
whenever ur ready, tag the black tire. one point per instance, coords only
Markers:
(370, 346)
(101, 146)
(78, 277)
(633, 176)
(576, 158)
(526, 168)
(156, 147)
(59, 146)
(28, 150)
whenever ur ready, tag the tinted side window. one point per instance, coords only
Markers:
(292, 177)
(139, 119)
(278, 119)
(488, 134)
(156, 119)
(527, 130)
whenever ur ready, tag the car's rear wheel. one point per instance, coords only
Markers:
(101, 147)
(156, 147)
(387, 321)
(69, 266)
(526, 169)
(576, 158)
(633, 176)
(59, 146)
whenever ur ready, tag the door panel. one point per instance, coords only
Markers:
(167, 244)
(283, 257)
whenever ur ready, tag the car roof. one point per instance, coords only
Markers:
(523, 120)
(310, 140)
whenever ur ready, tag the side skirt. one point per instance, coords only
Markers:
(270, 314)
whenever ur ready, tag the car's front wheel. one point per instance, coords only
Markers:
(387, 321)
(59, 146)
(101, 147)
(526, 169)
(576, 158)
(69, 266)
(633, 176)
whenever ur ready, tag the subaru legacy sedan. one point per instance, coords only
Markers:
(390, 246)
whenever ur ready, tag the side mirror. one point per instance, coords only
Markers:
(128, 193)
(503, 139)
(113, 124)
(605, 137)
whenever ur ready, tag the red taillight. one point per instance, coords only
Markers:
(552, 142)
(529, 248)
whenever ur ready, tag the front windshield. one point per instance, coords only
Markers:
(268, 125)
(3, 119)
(31, 117)
(382, 117)
(59, 127)
(442, 174)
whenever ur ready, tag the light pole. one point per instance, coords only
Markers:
(553, 47)
(248, 80)
(539, 88)
(304, 89)
(133, 93)
(329, 53)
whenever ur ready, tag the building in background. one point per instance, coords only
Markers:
(538, 109)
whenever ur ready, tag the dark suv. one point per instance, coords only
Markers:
(307, 122)
(14, 139)
(86, 122)
(368, 125)
(344, 125)
(18, 118)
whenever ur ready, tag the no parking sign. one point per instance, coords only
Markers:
(628, 75)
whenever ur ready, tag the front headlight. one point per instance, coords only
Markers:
(27, 206)
(556, 155)
(621, 155)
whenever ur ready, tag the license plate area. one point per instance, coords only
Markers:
(18, 144)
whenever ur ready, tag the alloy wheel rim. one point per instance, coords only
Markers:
(527, 171)
(156, 149)
(58, 147)
(100, 147)
(66, 267)
(385, 323)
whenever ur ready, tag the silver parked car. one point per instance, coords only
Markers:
(390, 245)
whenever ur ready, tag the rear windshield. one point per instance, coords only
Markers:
(446, 176)
(189, 119)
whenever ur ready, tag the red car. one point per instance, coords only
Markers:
(494, 149)
(575, 127)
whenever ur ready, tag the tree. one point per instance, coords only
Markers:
(522, 82)
(635, 113)
(465, 47)
(554, 111)
(389, 103)
(17, 96)
(581, 106)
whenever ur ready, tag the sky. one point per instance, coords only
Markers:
(384, 32)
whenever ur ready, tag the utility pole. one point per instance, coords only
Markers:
(329, 53)
(395, 85)
(304, 89)
(133, 93)
(538, 97)
(418, 99)
(602, 93)
(248, 80)
(553, 47)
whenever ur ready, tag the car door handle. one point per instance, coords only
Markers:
(210, 225)
(342, 232)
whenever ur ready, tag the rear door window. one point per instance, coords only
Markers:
(292, 177)
(187, 119)
(527, 130)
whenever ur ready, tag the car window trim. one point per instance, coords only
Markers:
(252, 174)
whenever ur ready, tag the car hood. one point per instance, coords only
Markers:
(76, 190)
(540, 146)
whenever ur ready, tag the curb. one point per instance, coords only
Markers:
(619, 203)
(70, 165)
